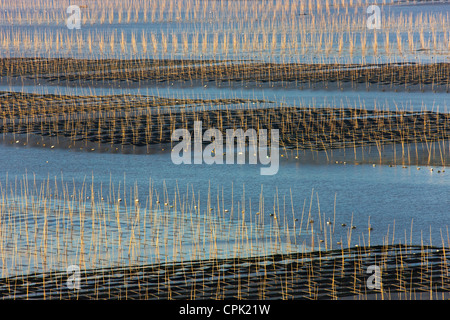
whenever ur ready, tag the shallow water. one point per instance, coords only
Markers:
(393, 198)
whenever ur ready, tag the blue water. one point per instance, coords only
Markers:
(393, 197)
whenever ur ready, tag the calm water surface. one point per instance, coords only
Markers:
(393, 197)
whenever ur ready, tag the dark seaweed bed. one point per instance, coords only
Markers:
(411, 272)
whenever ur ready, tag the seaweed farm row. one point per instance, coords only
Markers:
(101, 72)
(408, 272)
(112, 122)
